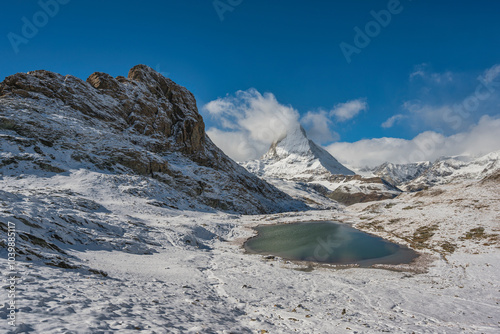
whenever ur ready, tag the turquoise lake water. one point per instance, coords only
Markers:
(326, 242)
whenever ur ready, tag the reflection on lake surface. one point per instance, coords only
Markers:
(327, 242)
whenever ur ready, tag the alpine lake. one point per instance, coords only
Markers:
(327, 243)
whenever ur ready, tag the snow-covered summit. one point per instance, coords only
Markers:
(297, 157)
(295, 163)
(421, 175)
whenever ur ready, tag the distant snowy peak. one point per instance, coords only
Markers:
(446, 170)
(420, 175)
(297, 157)
(398, 174)
(294, 142)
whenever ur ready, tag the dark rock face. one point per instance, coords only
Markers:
(144, 124)
(493, 178)
(345, 196)
(186, 123)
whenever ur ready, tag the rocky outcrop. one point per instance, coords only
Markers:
(144, 124)
(145, 102)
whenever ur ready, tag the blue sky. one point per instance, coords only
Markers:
(426, 59)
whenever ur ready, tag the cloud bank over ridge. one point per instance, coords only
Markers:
(248, 122)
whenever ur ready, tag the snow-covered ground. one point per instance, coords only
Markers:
(183, 271)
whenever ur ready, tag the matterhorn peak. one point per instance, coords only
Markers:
(295, 141)
(301, 168)
(295, 156)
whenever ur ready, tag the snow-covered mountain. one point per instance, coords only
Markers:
(397, 174)
(304, 170)
(422, 175)
(110, 186)
(455, 169)
(144, 128)
(296, 157)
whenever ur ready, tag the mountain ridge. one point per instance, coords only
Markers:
(422, 175)
(144, 125)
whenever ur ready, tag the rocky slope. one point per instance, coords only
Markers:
(73, 152)
(296, 162)
(143, 125)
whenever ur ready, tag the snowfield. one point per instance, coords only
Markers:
(152, 269)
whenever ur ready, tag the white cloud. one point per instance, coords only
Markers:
(318, 126)
(248, 122)
(251, 122)
(423, 71)
(431, 116)
(318, 123)
(492, 73)
(419, 70)
(479, 139)
(451, 112)
(348, 110)
(389, 123)
(220, 107)
(417, 73)
(238, 145)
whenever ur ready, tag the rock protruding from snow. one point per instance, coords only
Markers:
(101, 80)
(144, 125)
